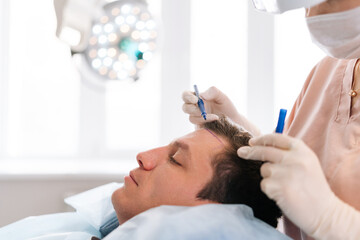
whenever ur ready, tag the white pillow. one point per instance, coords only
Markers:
(210, 221)
(95, 204)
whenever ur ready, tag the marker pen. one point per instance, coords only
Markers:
(200, 103)
(281, 121)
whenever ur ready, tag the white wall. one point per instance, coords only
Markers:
(30, 195)
(270, 52)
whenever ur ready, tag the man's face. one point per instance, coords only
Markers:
(169, 175)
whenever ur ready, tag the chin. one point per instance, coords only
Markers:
(116, 198)
(125, 207)
(117, 195)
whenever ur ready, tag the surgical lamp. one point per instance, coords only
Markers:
(117, 38)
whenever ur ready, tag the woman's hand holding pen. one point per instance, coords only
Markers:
(216, 103)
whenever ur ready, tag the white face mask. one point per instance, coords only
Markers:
(337, 34)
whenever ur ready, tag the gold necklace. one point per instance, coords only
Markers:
(353, 92)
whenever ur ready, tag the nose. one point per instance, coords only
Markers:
(146, 160)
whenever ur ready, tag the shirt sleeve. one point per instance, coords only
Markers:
(299, 99)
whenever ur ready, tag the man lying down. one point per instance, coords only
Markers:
(208, 187)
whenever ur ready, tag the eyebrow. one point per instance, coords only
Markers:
(182, 145)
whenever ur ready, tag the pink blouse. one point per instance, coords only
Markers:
(323, 118)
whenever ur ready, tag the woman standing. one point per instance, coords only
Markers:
(312, 171)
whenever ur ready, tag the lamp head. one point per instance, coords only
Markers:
(116, 37)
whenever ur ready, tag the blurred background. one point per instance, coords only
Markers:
(68, 125)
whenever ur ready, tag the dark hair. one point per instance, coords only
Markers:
(235, 180)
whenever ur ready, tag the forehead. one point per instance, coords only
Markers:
(202, 143)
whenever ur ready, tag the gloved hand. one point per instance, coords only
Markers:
(294, 179)
(216, 103)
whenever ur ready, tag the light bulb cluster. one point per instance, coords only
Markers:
(122, 41)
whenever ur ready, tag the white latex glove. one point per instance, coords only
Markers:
(216, 103)
(294, 179)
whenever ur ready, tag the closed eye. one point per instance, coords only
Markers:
(172, 160)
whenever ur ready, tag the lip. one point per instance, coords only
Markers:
(131, 174)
